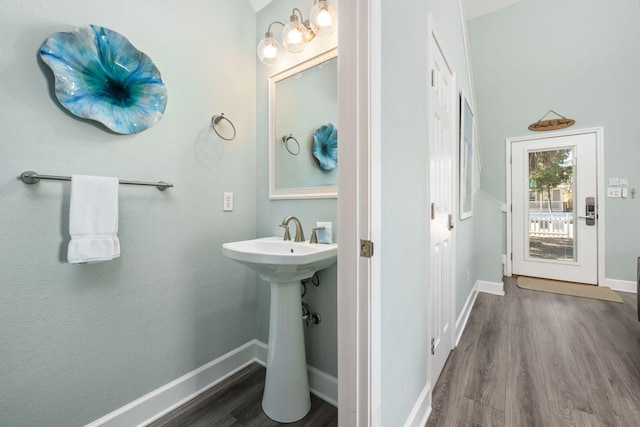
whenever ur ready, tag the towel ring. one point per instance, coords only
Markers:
(215, 121)
(286, 139)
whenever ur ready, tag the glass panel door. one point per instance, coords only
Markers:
(551, 225)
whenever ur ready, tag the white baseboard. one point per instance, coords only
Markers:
(490, 287)
(421, 410)
(622, 285)
(461, 321)
(163, 400)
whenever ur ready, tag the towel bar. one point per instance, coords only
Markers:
(31, 177)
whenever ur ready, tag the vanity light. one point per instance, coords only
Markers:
(268, 47)
(298, 32)
(323, 18)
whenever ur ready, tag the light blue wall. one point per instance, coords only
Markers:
(580, 59)
(405, 205)
(321, 339)
(79, 341)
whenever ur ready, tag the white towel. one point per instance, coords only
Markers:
(93, 219)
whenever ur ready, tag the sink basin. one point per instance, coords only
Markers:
(284, 264)
(277, 260)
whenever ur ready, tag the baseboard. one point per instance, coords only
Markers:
(490, 287)
(622, 285)
(461, 321)
(421, 410)
(163, 400)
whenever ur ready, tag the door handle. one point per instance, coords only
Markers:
(590, 211)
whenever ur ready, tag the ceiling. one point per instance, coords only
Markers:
(475, 8)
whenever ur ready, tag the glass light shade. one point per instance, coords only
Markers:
(294, 35)
(268, 50)
(323, 18)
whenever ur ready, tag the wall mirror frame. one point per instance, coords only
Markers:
(277, 147)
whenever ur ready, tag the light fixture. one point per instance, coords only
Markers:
(268, 47)
(323, 18)
(298, 32)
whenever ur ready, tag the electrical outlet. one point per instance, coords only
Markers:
(227, 202)
(614, 192)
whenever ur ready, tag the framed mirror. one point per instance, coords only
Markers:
(303, 114)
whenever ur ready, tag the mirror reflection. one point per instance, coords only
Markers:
(304, 126)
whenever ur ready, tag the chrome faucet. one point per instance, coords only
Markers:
(299, 232)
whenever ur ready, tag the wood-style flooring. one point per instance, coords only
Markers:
(237, 402)
(538, 359)
(525, 359)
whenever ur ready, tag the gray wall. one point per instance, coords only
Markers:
(79, 341)
(580, 59)
(321, 340)
(404, 253)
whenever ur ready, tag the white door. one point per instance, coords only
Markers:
(555, 212)
(442, 138)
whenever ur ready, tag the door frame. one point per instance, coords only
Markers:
(599, 134)
(359, 213)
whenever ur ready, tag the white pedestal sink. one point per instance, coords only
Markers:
(284, 264)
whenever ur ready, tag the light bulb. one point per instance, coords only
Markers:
(268, 50)
(293, 35)
(323, 18)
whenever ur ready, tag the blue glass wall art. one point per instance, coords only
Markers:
(325, 146)
(101, 76)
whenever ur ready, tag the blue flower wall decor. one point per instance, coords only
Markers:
(325, 146)
(100, 75)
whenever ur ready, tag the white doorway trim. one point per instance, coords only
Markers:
(599, 133)
(359, 213)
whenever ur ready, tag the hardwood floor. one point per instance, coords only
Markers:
(526, 359)
(236, 402)
(539, 359)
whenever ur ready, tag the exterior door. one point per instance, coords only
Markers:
(555, 212)
(442, 163)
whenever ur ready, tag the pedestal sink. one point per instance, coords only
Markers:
(284, 264)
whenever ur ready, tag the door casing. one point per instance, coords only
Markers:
(599, 134)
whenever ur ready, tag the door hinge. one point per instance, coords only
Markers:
(366, 248)
(433, 211)
(450, 222)
(433, 77)
(511, 256)
(433, 346)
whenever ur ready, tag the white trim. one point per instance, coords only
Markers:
(323, 385)
(461, 322)
(490, 287)
(599, 133)
(421, 410)
(375, 207)
(161, 401)
(355, 329)
(165, 399)
(472, 88)
(622, 285)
